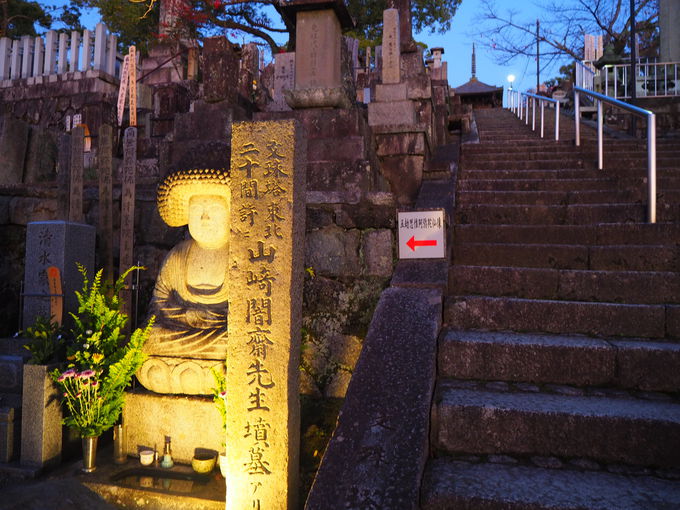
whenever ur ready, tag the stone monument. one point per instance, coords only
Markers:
(318, 53)
(268, 162)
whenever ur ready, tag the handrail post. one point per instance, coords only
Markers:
(542, 115)
(577, 118)
(651, 167)
(526, 111)
(557, 121)
(600, 136)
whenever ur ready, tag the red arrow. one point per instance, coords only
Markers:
(413, 244)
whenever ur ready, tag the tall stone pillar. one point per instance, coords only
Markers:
(268, 172)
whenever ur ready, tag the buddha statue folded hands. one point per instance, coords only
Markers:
(190, 298)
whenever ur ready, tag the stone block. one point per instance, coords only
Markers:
(367, 214)
(421, 273)
(11, 374)
(13, 147)
(333, 251)
(378, 250)
(339, 176)
(385, 92)
(284, 79)
(6, 434)
(149, 417)
(404, 174)
(391, 114)
(41, 157)
(317, 42)
(41, 427)
(648, 366)
(418, 87)
(401, 143)
(24, 210)
(60, 244)
(207, 122)
(348, 148)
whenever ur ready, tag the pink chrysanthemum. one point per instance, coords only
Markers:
(86, 374)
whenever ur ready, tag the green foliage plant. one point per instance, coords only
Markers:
(47, 341)
(219, 392)
(101, 360)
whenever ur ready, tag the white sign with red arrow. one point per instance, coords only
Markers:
(421, 234)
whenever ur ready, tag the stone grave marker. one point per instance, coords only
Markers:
(284, 79)
(75, 202)
(318, 50)
(60, 244)
(127, 212)
(63, 164)
(220, 70)
(391, 52)
(266, 275)
(105, 154)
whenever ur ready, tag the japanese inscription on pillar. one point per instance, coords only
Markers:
(266, 274)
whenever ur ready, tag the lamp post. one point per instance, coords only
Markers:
(511, 79)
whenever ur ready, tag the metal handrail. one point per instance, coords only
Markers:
(651, 138)
(520, 109)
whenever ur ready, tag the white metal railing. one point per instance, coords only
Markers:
(651, 138)
(585, 75)
(652, 79)
(519, 104)
(30, 57)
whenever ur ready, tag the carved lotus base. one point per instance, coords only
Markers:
(183, 376)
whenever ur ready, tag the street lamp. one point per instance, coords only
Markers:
(511, 78)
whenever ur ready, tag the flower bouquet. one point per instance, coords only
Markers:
(101, 361)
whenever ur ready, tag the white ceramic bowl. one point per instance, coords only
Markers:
(146, 457)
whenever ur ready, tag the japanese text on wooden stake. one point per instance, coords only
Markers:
(127, 212)
(133, 85)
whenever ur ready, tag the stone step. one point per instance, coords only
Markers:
(577, 361)
(604, 429)
(640, 287)
(483, 183)
(456, 485)
(556, 197)
(575, 256)
(630, 234)
(562, 317)
(554, 215)
(570, 162)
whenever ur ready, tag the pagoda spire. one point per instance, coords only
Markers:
(474, 63)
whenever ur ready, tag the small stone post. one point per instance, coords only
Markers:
(266, 273)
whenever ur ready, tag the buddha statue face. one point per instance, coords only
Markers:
(209, 221)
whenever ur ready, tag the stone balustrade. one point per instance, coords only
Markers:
(58, 53)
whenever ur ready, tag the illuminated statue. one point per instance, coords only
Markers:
(190, 297)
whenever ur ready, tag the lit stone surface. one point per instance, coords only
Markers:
(266, 276)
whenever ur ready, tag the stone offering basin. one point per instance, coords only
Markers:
(158, 479)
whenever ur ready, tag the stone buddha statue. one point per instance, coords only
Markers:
(190, 297)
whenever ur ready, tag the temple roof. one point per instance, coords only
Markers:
(474, 86)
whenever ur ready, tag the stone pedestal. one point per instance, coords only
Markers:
(191, 422)
(41, 419)
(160, 66)
(61, 244)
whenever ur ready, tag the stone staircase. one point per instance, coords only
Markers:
(558, 366)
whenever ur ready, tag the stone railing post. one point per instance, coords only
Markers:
(27, 56)
(16, 59)
(5, 56)
(111, 55)
(62, 59)
(38, 57)
(50, 52)
(87, 50)
(100, 47)
(75, 49)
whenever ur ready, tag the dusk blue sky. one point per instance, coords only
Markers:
(457, 44)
